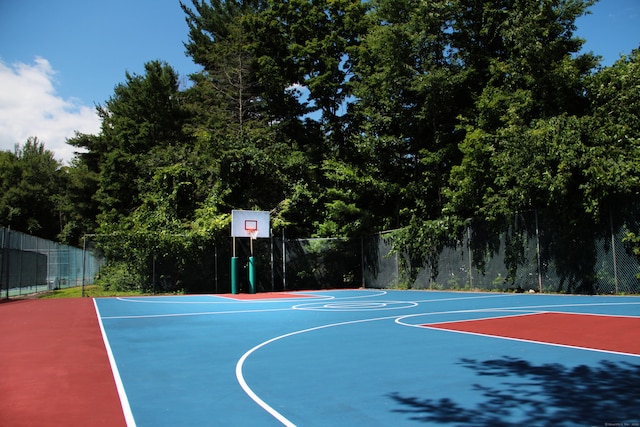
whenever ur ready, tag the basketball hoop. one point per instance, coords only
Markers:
(251, 228)
(252, 224)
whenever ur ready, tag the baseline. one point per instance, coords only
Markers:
(610, 334)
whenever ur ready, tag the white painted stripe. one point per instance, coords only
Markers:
(124, 401)
(533, 341)
(264, 405)
(204, 313)
(508, 316)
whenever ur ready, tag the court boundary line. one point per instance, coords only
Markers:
(225, 301)
(531, 341)
(528, 313)
(203, 313)
(595, 314)
(157, 299)
(124, 400)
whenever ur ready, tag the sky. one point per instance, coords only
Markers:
(59, 59)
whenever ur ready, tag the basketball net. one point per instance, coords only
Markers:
(253, 233)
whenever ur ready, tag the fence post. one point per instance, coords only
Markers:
(4, 261)
(284, 262)
(84, 256)
(397, 270)
(21, 254)
(8, 270)
(215, 267)
(273, 274)
(538, 252)
(470, 256)
(364, 285)
(613, 251)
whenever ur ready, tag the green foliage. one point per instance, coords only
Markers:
(30, 182)
(119, 277)
(345, 118)
(421, 242)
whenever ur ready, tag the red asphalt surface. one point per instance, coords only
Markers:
(54, 368)
(596, 332)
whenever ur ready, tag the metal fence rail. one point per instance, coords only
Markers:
(30, 264)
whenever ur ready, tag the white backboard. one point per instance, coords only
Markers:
(242, 222)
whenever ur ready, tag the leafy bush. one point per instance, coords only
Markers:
(120, 276)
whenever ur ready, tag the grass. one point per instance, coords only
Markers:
(94, 291)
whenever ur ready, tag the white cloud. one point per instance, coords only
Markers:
(29, 106)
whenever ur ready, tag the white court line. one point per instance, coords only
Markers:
(315, 295)
(264, 405)
(628, 316)
(355, 306)
(204, 313)
(527, 313)
(124, 401)
(227, 300)
(589, 304)
(463, 298)
(210, 313)
(516, 309)
(533, 341)
(242, 360)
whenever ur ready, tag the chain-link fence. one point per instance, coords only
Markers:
(29, 264)
(528, 252)
(284, 265)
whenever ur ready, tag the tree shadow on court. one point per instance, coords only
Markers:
(537, 395)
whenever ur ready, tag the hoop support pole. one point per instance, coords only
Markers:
(252, 276)
(234, 278)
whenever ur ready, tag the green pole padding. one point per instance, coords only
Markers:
(234, 278)
(252, 276)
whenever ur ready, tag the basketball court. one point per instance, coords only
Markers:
(374, 358)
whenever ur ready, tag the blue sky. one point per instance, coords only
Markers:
(58, 59)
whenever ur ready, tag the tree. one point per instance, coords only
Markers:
(613, 176)
(144, 114)
(29, 188)
(410, 91)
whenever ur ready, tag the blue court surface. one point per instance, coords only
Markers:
(369, 358)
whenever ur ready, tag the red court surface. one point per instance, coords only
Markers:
(608, 333)
(55, 370)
